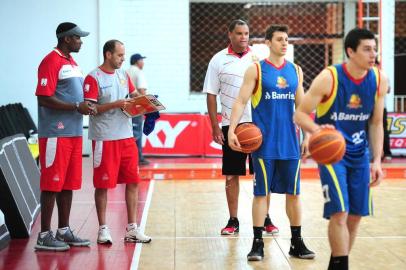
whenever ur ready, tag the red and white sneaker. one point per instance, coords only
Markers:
(271, 229)
(232, 227)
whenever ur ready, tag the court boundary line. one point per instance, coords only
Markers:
(276, 237)
(138, 247)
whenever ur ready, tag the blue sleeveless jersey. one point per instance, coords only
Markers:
(273, 105)
(348, 108)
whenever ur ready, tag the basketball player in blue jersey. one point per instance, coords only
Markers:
(345, 97)
(275, 88)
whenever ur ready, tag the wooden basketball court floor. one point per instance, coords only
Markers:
(184, 218)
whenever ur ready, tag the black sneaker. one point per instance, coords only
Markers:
(257, 251)
(232, 227)
(299, 250)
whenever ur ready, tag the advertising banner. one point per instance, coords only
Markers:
(191, 135)
(181, 135)
(397, 125)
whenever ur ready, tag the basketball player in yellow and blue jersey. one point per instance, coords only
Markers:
(275, 87)
(346, 96)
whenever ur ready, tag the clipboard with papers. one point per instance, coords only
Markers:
(144, 104)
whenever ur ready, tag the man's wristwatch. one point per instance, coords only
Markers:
(77, 105)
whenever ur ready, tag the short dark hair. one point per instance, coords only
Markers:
(275, 28)
(234, 23)
(354, 37)
(110, 46)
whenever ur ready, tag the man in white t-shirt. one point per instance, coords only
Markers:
(223, 78)
(137, 76)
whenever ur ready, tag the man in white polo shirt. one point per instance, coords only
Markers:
(223, 78)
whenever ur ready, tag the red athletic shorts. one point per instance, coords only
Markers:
(115, 162)
(61, 163)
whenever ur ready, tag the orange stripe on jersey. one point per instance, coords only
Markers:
(332, 87)
(326, 103)
(256, 82)
(257, 93)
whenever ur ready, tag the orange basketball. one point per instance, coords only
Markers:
(327, 146)
(249, 136)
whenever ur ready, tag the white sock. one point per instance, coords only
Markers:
(43, 234)
(63, 230)
(131, 226)
(103, 227)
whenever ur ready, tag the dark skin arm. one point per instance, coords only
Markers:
(212, 109)
(52, 102)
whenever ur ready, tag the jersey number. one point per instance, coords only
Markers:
(357, 137)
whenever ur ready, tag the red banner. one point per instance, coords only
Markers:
(181, 134)
(190, 135)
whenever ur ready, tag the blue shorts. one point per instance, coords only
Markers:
(346, 189)
(276, 176)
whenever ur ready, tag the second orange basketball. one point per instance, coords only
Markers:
(327, 146)
(249, 136)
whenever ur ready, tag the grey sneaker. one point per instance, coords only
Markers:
(48, 242)
(69, 238)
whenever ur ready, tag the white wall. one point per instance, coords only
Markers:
(158, 29)
(27, 31)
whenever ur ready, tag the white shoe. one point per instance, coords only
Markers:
(104, 236)
(135, 236)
